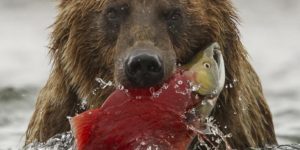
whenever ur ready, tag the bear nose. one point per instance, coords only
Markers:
(144, 70)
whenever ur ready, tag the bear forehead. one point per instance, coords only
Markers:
(145, 2)
(100, 4)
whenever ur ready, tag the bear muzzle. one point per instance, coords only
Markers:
(144, 69)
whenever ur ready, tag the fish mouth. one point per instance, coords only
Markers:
(221, 68)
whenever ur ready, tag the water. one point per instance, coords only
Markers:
(210, 129)
(270, 30)
(104, 84)
(16, 107)
(64, 141)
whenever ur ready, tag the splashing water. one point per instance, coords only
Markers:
(165, 86)
(83, 105)
(178, 90)
(138, 97)
(155, 93)
(120, 87)
(217, 138)
(94, 92)
(235, 80)
(240, 98)
(103, 84)
(194, 86)
(64, 141)
(178, 64)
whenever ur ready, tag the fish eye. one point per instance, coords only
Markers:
(206, 65)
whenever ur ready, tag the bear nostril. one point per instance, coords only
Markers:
(144, 70)
(134, 66)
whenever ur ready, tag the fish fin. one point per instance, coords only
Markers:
(82, 125)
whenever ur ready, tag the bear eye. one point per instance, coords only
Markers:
(117, 12)
(112, 14)
(174, 20)
(174, 15)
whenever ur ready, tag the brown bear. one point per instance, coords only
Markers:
(138, 43)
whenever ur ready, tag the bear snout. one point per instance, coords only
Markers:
(144, 69)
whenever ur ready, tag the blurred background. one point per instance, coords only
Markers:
(270, 31)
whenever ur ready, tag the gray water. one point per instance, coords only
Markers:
(270, 30)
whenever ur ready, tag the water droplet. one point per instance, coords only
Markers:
(229, 135)
(121, 87)
(59, 141)
(138, 97)
(214, 92)
(176, 86)
(218, 141)
(193, 111)
(165, 86)
(179, 82)
(143, 143)
(211, 129)
(126, 90)
(83, 104)
(94, 92)
(155, 94)
(211, 102)
(240, 98)
(235, 80)
(195, 87)
(103, 84)
(152, 90)
(183, 92)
